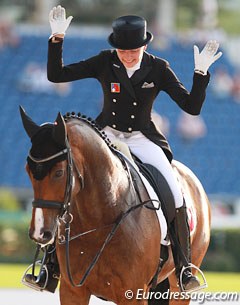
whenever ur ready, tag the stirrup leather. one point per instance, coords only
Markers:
(203, 286)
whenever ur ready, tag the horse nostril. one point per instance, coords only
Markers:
(47, 235)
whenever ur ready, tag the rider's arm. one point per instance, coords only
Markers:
(192, 101)
(56, 71)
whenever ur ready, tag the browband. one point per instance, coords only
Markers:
(37, 160)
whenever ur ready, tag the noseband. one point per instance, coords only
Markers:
(65, 205)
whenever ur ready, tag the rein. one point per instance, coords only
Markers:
(115, 225)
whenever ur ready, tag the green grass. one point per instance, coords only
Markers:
(11, 275)
(220, 281)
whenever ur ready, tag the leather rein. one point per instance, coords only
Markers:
(66, 217)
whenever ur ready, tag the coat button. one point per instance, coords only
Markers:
(132, 116)
(129, 128)
(114, 126)
(114, 100)
(113, 113)
(134, 103)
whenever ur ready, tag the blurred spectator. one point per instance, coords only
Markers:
(34, 79)
(209, 14)
(222, 83)
(207, 26)
(161, 123)
(8, 36)
(236, 88)
(191, 127)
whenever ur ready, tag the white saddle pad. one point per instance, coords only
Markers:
(161, 217)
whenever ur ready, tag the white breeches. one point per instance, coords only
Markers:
(149, 152)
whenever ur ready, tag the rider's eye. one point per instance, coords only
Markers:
(59, 173)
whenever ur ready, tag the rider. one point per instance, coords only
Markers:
(131, 79)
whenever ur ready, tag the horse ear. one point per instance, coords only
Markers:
(30, 127)
(59, 132)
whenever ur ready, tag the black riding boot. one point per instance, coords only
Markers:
(188, 280)
(49, 274)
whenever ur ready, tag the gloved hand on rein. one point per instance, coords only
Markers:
(207, 57)
(58, 21)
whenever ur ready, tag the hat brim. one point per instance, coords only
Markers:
(130, 46)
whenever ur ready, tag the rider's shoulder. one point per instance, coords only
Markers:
(157, 60)
(107, 52)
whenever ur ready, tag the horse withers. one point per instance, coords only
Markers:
(107, 242)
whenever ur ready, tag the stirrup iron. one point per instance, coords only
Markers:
(203, 286)
(35, 283)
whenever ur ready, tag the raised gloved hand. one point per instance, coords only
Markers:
(207, 57)
(58, 21)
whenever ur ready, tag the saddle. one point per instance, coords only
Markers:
(153, 176)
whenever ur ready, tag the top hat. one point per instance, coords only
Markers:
(129, 32)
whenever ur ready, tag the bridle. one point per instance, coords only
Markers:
(64, 206)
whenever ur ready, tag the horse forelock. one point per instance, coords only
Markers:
(43, 146)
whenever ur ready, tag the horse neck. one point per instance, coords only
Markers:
(105, 181)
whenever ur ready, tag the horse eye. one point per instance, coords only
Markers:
(59, 173)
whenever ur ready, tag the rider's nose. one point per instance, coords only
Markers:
(128, 57)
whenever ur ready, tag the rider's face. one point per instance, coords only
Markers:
(130, 58)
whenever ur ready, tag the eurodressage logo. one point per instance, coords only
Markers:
(200, 297)
(115, 87)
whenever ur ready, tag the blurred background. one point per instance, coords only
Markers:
(208, 144)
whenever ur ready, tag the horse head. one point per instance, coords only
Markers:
(47, 169)
(62, 161)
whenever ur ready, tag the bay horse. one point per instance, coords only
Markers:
(112, 242)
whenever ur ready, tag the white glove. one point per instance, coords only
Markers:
(58, 21)
(207, 57)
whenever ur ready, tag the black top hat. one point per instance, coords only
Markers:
(129, 32)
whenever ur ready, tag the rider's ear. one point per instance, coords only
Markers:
(30, 127)
(59, 131)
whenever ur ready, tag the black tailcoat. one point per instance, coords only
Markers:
(128, 101)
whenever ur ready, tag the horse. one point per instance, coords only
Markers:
(107, 241)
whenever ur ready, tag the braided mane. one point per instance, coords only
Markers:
(92, 123)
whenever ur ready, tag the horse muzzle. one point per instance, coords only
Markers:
(43, 236)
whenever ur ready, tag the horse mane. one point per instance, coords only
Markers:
(93, 124)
